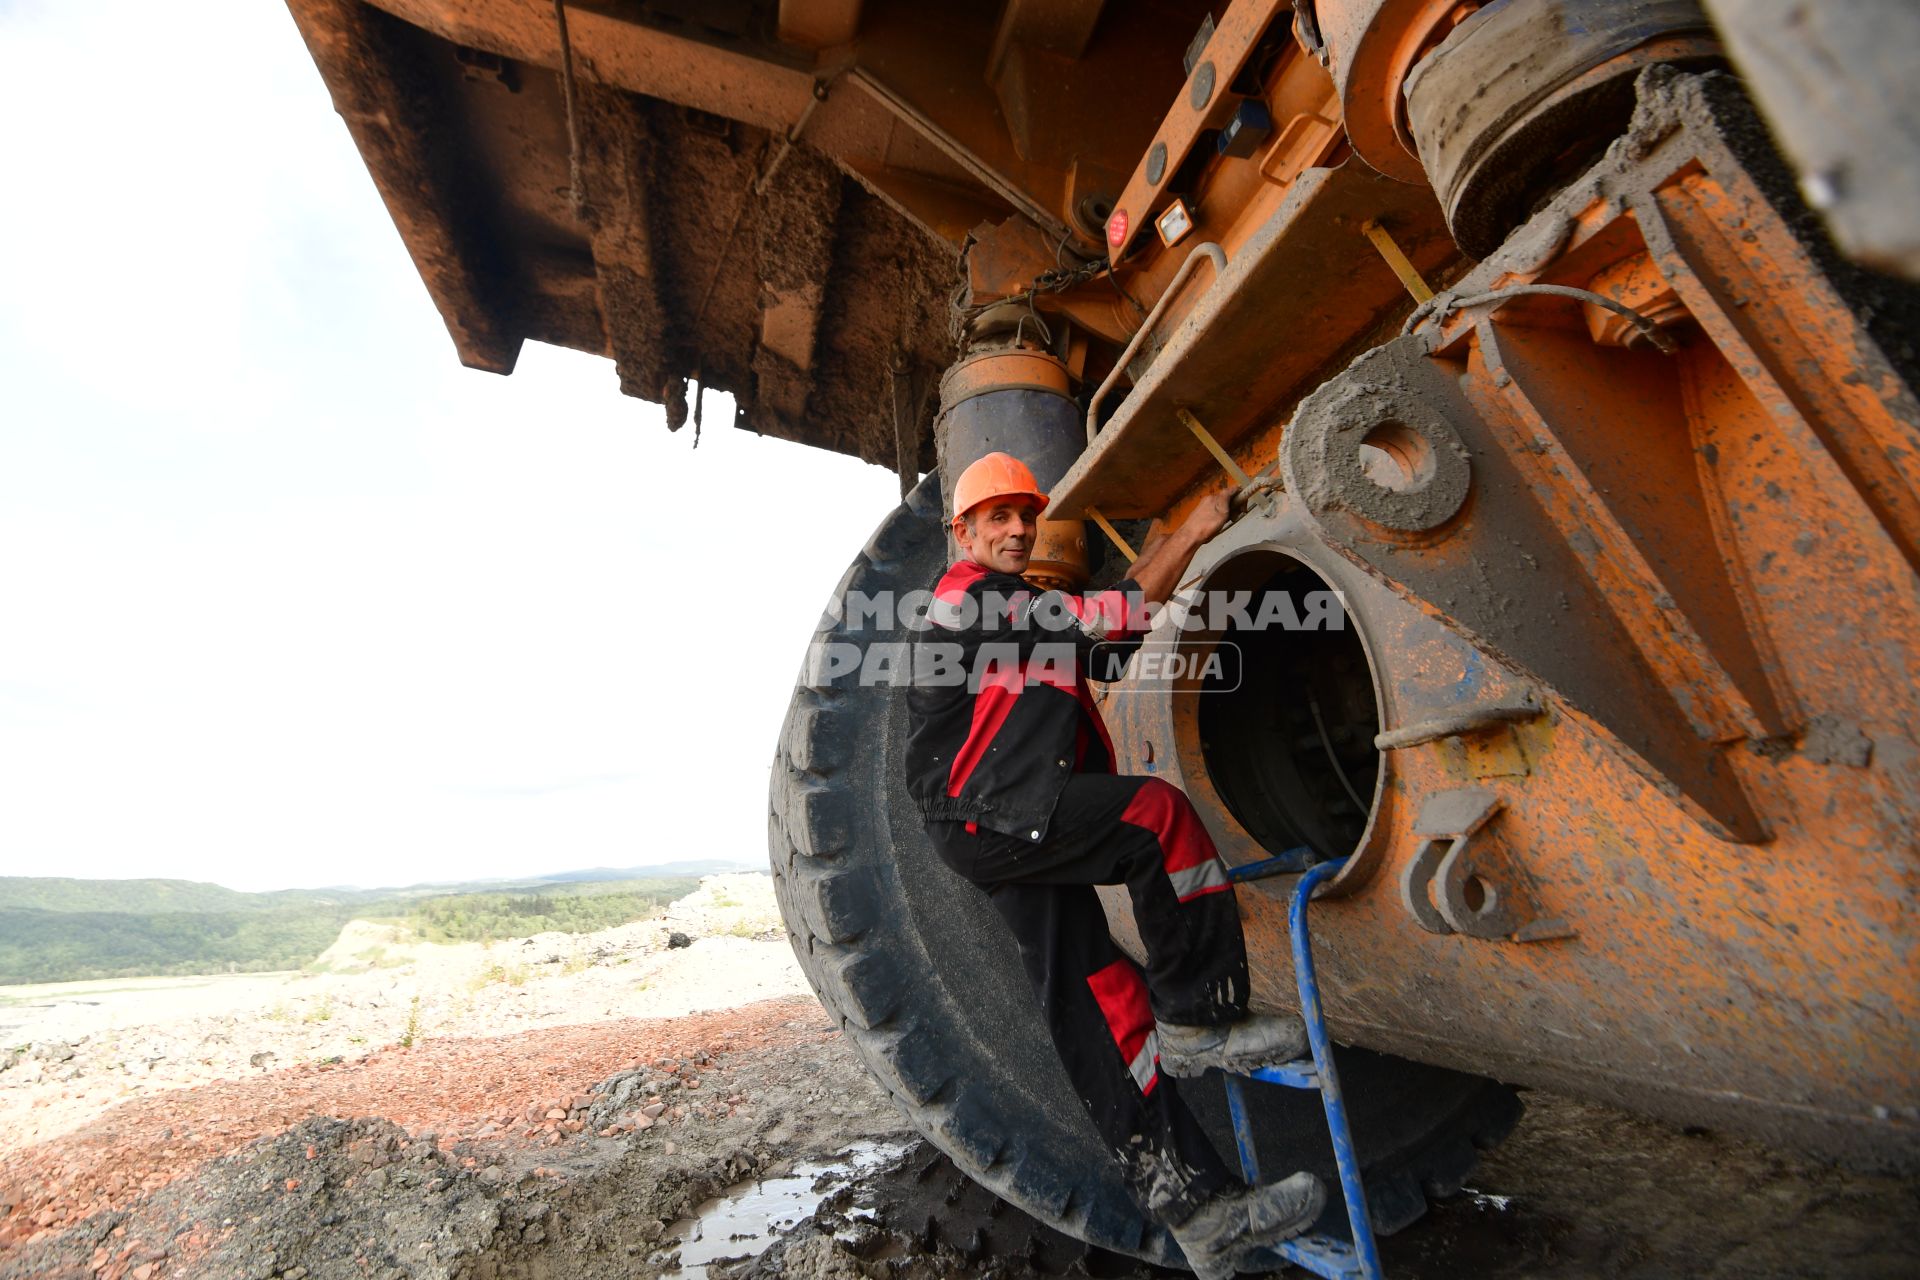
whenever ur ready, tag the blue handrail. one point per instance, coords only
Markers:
(1344, 1156)
(1279, 865)
(1322, 1255)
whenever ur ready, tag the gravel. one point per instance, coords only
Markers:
(576, 1147)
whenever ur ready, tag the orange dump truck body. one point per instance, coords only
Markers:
(1620, 740)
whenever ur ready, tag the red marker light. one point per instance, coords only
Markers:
(1117, 228)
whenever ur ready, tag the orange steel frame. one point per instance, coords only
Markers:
(1731, 849)
(1744, 509)
(1737, 947)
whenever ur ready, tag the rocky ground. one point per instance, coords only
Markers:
(613, 1105)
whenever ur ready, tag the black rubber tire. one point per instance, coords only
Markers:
(925, 981)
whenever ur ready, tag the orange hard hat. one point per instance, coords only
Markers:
(996, 475)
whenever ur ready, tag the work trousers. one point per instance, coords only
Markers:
(1143, 833)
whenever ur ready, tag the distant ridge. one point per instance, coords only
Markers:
(153, 896)
(161, 896)
(58, 928)
(690, 867)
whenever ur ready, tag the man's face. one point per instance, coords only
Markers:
(999, 534)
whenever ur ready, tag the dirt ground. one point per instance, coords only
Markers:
(70, 1050)
(616, 1138)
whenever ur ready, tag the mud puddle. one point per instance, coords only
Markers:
(1580, 1192)
(919, 1218)
(744, 1220)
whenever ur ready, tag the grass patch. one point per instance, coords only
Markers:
(514, 975)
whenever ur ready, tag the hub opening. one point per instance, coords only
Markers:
(1396, 457)
(1290, 749)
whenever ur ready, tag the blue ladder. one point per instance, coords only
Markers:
(1327, 1256)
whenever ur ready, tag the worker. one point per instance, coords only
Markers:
(1012, 770)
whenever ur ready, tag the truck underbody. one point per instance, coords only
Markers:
(1511, 326)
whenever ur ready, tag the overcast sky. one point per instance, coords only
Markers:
(287, 596)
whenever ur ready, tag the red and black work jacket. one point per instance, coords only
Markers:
(1000, 711)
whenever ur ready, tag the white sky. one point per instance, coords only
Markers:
(287, 596)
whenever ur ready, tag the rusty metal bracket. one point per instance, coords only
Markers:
(1447, 819)
(1448, 887)
(1471, 720)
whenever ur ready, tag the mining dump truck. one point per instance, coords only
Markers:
(1570, 342)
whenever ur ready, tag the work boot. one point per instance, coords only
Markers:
(1262, 1040)
(1226, 1232)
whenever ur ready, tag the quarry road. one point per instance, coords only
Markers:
(676, 1138)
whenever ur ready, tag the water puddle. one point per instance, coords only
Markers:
(743, 1220)
(1486, 1200)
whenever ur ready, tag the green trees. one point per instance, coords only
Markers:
(576, 908)
(115, 932)
(59, 946)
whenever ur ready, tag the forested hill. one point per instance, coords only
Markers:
(60, 893)
(63, 893)
(55, 929)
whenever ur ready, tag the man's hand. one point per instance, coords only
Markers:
(1166, 559)
(1207, 518)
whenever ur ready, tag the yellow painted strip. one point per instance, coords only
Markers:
(1221, 456)
(1397, 260)
(1093, 514)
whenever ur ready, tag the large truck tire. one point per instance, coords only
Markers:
(925, 981)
